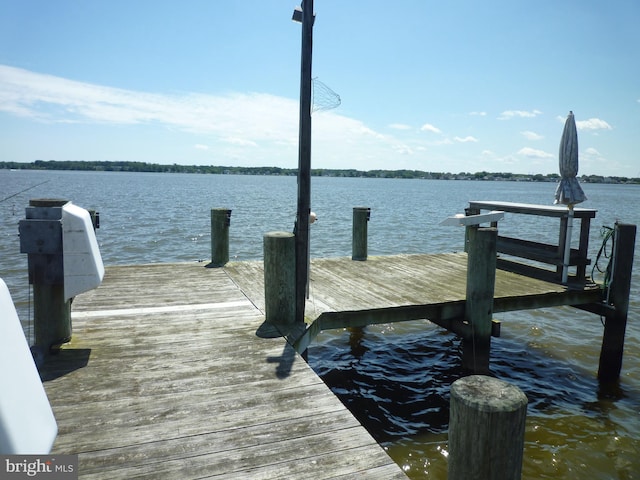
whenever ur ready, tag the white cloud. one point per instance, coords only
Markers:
(403, 149)
(593, 124)
(427, 127)
(479, 114)
(400, 126)
(444, 141)
(364, 130)
(529, 135)
(239, 141)
(592, 151)
(199, 146)
(52, 99)
(533, 153)
(509, 114)
(591, 158)
(465, 139)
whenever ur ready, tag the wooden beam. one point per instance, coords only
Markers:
(532, 209)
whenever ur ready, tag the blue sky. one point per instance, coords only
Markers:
(456, 86)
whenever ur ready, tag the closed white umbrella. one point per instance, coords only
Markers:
(569, 192)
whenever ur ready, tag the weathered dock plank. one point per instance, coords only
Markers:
(165, 378)
(392, 282)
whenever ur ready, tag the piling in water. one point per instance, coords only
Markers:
(481, 279)
(486, 429)
(618, 297)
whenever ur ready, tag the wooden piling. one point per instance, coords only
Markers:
(41, 239)
(481, 278)
(52, 317)
(220, 221)
(618, 296)
(279, 284)
(486, 429)
(361, 217)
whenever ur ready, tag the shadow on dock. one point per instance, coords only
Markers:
(64, 362)
(284, 362)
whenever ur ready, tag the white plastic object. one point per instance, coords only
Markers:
(463, 220)
(83, 267)
(27, 424)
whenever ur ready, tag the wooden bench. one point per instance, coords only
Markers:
(551, 254)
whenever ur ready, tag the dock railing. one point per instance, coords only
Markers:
(544, 253)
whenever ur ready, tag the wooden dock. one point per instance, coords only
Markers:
(385, 289)
(166, 378)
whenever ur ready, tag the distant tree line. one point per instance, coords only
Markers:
(122, 166)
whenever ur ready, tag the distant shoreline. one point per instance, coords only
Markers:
(116, 166)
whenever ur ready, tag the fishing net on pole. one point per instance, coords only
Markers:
(322, 97)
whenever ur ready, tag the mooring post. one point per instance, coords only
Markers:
(618, 296)
(486, 429)
(41, 239)
(361, 216)
(220, 221)
(481, 279)
(279, 284)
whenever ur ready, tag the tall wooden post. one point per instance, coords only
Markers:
(279, 284)
(486, 429)
(481, 279)
(616, 323)
(361, 217)
(220, 221)
(304, 162)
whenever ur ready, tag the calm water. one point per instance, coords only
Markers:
(395, 378)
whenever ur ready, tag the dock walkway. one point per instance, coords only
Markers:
(166, 378)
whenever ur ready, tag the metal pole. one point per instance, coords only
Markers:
(304, 162)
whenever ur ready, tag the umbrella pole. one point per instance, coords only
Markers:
(567, 246)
